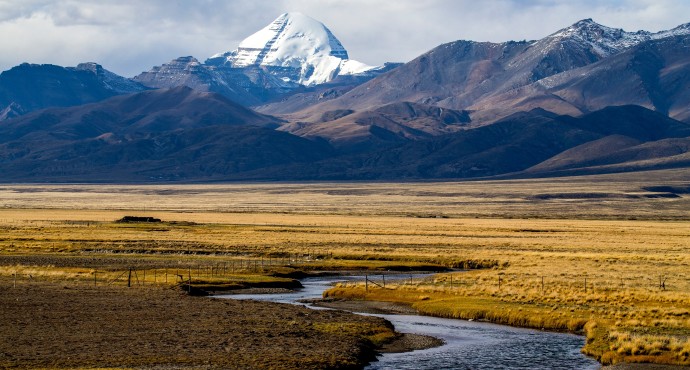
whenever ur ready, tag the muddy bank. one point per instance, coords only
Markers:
(254, 291)
(373, 307)
(411, 342)
(288, 285)
(405, 342)
(48, 325)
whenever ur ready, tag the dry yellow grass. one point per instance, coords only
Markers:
(631, 246)
(620, 196)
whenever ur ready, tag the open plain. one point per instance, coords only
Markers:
(606, 256)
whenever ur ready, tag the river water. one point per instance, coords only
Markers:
(468, 345)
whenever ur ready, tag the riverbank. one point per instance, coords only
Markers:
(404, 343)
(423, 342)
(371, 307)
(72, 325)
(605, 337)
(644, 367)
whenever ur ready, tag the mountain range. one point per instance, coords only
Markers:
(289, 104)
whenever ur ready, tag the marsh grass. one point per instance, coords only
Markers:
(623, 324)
(376, 334)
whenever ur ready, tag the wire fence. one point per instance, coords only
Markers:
(526, 282)
(189, 272)
(159, 273)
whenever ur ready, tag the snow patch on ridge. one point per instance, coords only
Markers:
(606, 41)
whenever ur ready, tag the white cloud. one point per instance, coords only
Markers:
(129, 36)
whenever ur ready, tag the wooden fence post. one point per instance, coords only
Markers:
(366, 283)
(129, 278)
(542, 284)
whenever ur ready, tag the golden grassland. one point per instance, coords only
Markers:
(602, 255)
(620, 196)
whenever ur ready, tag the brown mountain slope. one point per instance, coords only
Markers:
(580, 69)
(145, 112)
(615, 154)
(517, 144)
(163, 135)
(31, 87)
(386, 125)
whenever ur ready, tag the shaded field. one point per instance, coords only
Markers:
(48, 325)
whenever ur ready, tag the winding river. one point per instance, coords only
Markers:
(468, 345)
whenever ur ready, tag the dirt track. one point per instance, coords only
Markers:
(63, 326)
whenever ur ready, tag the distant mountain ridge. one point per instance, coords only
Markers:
(289, 55)
(292, 52)
(585, 99)
(29, 87)
(180, 134)
(526, 144)
(159, 135)
(579, 69)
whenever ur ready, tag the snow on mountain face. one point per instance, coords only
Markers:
(307, 51)
(682, 30)
(606, 41)
(111, 80)
(287, 40)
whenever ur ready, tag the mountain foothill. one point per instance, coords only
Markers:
(289, 104)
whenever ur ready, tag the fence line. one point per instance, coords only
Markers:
(541, 283)
(184, 271)
(162, 273)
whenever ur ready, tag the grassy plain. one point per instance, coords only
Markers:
(605, 255)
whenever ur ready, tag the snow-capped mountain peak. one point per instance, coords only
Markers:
(606, 41)
(603, 40)
(683, 29)
(300, 44)
(292, 36)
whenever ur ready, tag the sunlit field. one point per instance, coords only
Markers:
(650, 195)
(607, 256)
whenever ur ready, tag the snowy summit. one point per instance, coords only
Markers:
(606, 41)
(305, 48)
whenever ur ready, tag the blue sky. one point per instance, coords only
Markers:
(130, 36)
